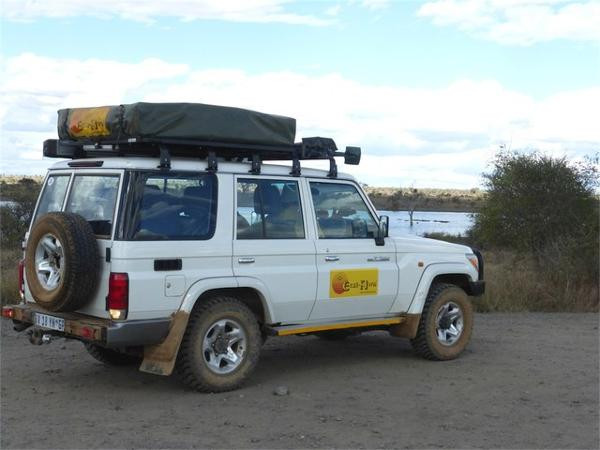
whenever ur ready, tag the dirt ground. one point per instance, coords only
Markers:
(526, 381)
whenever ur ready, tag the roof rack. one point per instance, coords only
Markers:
(312, 148)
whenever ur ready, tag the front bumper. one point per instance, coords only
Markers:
(104, 332)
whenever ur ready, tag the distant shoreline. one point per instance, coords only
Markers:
(384, 198)
(426, 199)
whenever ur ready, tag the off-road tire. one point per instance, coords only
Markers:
(191, 366)
(81, 262)
(426, 343)
(111, 357)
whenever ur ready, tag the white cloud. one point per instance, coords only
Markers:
(424, 137)
(519, 22)
(261, 11)
(376, 4)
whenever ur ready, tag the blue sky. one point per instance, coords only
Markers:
(430, 90)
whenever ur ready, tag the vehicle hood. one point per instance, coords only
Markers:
(416, 244)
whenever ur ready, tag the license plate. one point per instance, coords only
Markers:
(50, 322)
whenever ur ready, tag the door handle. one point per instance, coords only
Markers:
(332, 258)
(245, 260)
(378, 259)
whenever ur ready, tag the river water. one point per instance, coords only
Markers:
(428, 222)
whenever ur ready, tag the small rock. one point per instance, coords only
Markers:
(281, 390)
(338, 419)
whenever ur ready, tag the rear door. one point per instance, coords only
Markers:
(356, 278)
(93, 194)
(169, 238)
(273, 245)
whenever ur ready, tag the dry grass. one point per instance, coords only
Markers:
(9, 277)
(516, 283)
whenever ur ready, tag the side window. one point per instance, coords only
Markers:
(269, 209)
(341, 212)
(53, 196)
(172, 207)
(94, 197)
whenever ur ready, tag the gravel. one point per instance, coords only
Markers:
(525, 381)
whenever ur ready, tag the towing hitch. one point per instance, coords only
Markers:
(39, 337)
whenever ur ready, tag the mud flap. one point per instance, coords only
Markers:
(408, 328)
(160, 359)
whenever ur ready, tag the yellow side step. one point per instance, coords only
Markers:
(286, 331)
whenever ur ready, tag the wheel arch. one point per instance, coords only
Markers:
(249, 290)
(450, 273)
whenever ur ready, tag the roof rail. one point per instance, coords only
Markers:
(312, 148)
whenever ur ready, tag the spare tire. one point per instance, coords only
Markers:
(62, 262)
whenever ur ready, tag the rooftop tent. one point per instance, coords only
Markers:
(191, 130)
(173, 121)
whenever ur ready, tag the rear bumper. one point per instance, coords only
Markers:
(476, 288)
(105, 332)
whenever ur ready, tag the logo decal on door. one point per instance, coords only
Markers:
(353, 282)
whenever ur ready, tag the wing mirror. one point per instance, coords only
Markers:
(382, 230)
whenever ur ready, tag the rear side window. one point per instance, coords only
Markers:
(269, 209)
(94, 197)
(53, 195)
(171, 206)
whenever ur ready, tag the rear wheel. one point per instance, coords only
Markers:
(446, 323)
(111, 357)
(221, 346)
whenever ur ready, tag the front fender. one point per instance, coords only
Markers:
(430, 272)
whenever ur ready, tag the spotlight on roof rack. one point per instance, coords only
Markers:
(352, 156)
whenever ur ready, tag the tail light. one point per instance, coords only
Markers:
(22, 279)
(117, 301)
(8, 312)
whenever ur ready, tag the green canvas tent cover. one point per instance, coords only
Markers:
(185, 121)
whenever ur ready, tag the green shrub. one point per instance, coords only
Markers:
(544, 206)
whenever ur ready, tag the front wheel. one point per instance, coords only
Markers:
(446, 323)
(221, 346)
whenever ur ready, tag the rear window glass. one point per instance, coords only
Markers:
(94, 197)
(53, 195)
(171, 206)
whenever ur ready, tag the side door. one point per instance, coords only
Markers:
(273, 244)
(356, 277)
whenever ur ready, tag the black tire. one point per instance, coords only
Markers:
(335, 335)
(192, 364)
(80, 261)
(111, 357)
(426, 343)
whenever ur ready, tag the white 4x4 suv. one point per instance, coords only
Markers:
(191, 263)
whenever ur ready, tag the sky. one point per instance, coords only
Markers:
(430, 90)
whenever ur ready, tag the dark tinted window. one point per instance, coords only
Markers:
(341, 212)
(171, 206)
(94, 197)
(53, 196)
(269, 209)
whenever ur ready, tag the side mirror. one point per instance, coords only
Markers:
(382, 231)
